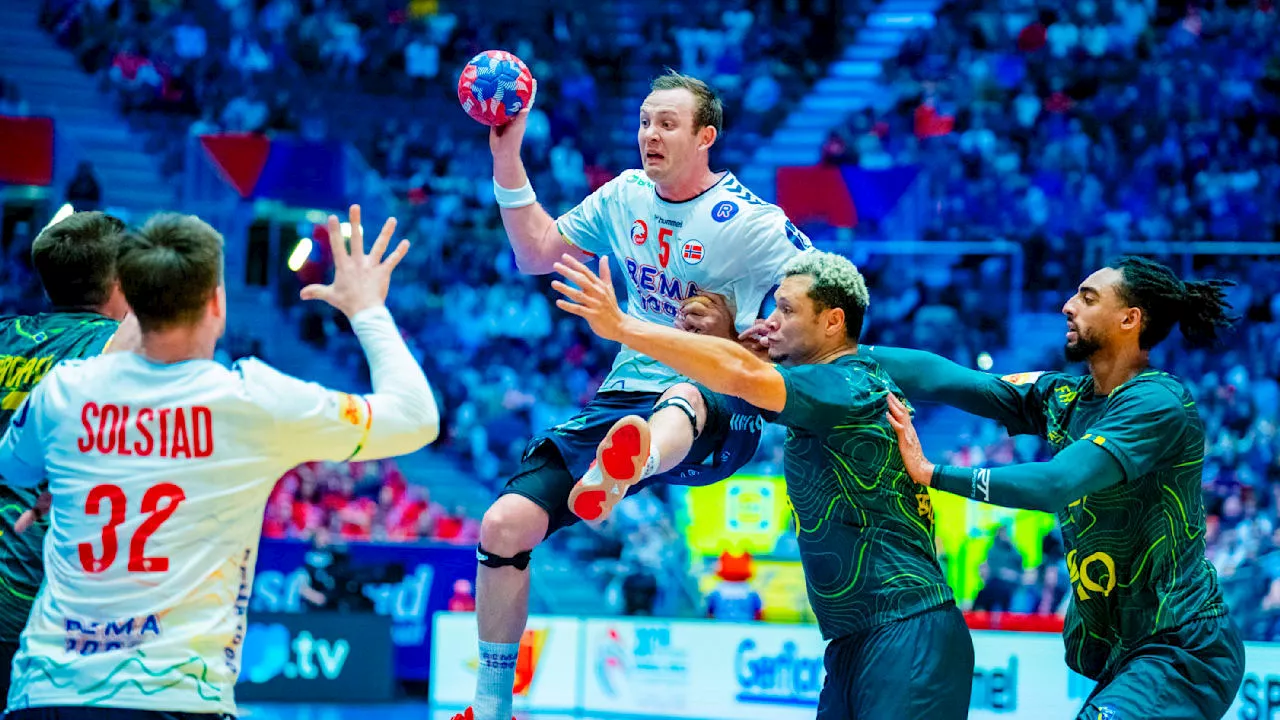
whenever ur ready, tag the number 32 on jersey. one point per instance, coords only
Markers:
(158, 504)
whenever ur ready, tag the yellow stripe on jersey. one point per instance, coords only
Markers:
(13, 400)
(368, 425)
(572, 244)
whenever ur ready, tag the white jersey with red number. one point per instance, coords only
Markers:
(159, 476)
(726, 241)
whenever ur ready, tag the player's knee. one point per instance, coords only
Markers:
(688, 398)
(513, 524)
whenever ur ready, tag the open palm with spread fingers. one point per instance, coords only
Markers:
(917, 465)
(592, 299)
(360, 280)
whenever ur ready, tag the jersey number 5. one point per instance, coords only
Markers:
(151, 507)
(664, 247)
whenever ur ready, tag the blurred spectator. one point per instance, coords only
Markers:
(1043, 592)
(11, 102)
(462, 600)
(733, 599)
(246, 113)
(190, 41)
(1001, 574)
(84, 192)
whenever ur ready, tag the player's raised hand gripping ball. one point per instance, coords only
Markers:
(494, 87)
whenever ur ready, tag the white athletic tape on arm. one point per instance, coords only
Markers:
(518, 198)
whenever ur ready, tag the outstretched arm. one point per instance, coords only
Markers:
(722, 365)
(534, 237)
(926, 377)
(1081, 468)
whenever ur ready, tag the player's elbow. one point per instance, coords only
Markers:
(427, 424)
(751, 380)
(1060, 491)
(737, 379)
(537, 251)
(534, 265)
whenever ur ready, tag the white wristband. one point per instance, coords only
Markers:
(518, 198)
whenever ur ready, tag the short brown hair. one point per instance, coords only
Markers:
(76, 259)
(169, 269)
(707, 111)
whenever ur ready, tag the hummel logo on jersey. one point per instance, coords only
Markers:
(692, 252)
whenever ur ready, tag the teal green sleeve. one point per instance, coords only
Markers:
(1081, 468)
(923, 376)
(818, 396)
(94, 343)
(1142, 424)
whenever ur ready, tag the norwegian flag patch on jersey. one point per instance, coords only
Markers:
(692, 252)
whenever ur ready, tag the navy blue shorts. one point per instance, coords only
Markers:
(1188, 673)
(916, 668)
(554, 460)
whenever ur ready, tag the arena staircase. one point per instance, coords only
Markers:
(853, 82)
(87, 124)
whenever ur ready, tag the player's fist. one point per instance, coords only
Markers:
(35, 514)
(706, 314)
(505, 140)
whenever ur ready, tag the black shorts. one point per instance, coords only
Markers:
(554, 460)
(1189, 673)
(108, 713)
(917, 668)
(7, 651)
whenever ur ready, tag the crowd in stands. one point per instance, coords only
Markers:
(1060, 125)
(1057, 123)
(361, 501)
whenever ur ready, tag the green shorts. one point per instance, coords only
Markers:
(1190, 673)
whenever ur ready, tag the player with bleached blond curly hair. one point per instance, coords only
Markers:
(899, 647)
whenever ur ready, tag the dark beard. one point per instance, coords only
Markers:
(1081, 350)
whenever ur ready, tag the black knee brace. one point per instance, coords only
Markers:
(519, 561)
(683, 406)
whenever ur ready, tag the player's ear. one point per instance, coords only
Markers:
(218, 303)
(835, 321)
(1132, 319)
(707, 137)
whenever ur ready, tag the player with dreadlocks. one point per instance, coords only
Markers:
(1147, 618)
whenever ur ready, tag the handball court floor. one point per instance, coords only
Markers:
(394, 711)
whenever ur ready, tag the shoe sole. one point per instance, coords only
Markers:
(621, 457)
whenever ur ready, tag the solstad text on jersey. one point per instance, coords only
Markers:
(179, 432)
(659, 292)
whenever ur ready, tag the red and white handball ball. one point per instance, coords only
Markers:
(495, 86)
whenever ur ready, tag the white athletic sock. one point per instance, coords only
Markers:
(495, 679)
(651, 465)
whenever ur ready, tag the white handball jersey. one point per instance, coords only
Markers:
(725, 240)
(159, 476)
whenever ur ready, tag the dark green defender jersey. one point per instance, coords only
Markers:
(865, 529)
(30, 345)
(1135, 551)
